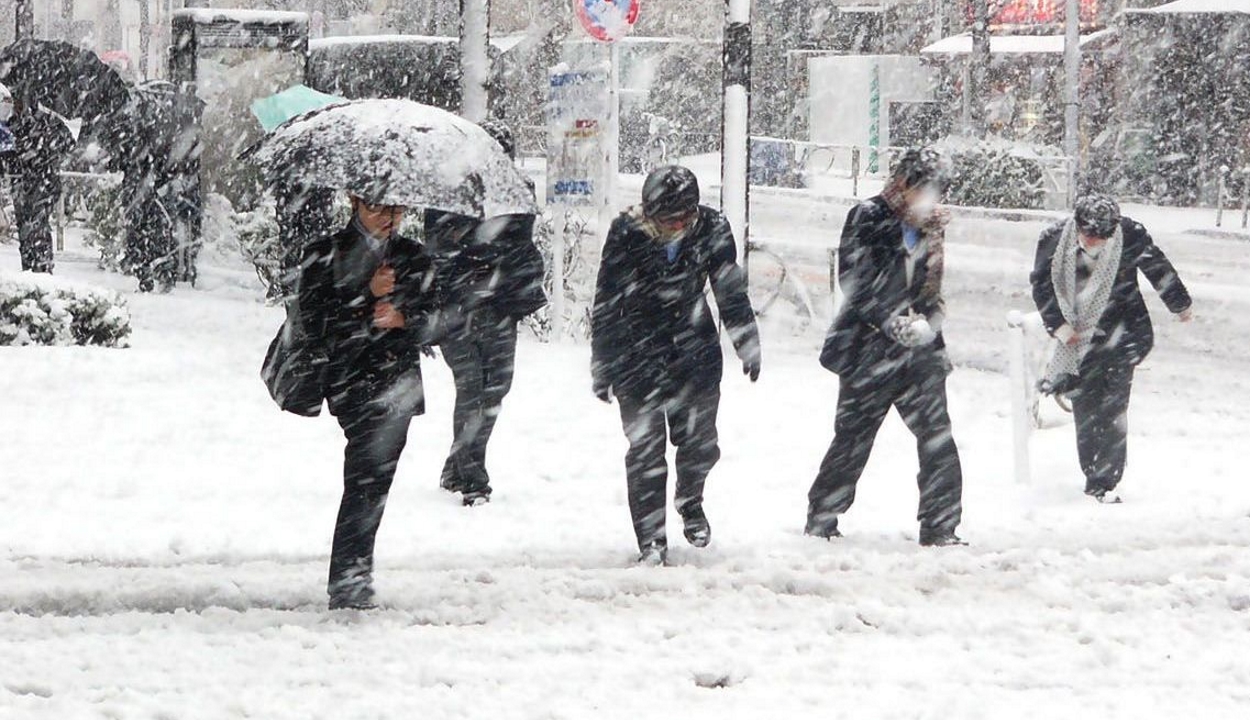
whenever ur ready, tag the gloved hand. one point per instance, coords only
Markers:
(910, 332)
(603, 390)
(751, 368)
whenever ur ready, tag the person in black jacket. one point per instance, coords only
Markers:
(887, 348)
(1085, 286)
(367, 305)
(42, 144)
(490, 278)
(655, 346)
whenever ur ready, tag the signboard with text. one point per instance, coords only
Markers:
(577, 112)
(1031, 12)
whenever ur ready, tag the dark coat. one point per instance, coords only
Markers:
(1125, 333)
(365, 364)
(872, 272)
(488, 271)
(42, 143)
(652, 329)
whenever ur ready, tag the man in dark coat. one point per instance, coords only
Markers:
(366, 305)
(1085, 286)
(42, 144)
(655, 346)
(490, 277)
(887, 348)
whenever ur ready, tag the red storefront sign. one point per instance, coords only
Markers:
(1031, 12)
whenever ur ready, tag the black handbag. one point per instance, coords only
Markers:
(293, 373)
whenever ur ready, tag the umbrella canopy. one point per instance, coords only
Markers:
(64, 78)
(276, 109)
(397, 152)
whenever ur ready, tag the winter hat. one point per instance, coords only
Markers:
(670, 192)
(502, 135)
(923, 166)
(1097, 215)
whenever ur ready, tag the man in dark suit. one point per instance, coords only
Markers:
(887, 348)
(1085, 286)
(367, 305)
(655, 346)
(490, 278)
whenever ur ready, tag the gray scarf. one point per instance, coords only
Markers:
(1081, 310)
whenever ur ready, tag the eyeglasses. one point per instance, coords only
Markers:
(675, 222)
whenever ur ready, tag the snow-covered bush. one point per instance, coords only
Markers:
(995, 175)
(38, 310)
(579, 278)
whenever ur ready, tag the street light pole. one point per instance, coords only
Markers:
(979, 68)
(474, 59)
(1072, 101)
(24, 20)
(735, 134)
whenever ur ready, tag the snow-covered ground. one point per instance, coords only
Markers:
(164, 532)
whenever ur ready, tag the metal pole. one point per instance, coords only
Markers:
(611, 138)
(24, 19)
(474, 59)
(1245, 198)
(558, 230)
(1072, 107)
(979, 64)
(1021, 419)
(735, 130)
(1221, 194)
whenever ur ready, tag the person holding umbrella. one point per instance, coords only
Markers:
(1085, 286)
(490, 277)
(367, 298)
(366, 308)
(655, 347)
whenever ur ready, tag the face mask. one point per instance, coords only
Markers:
(6, 111)
(1092, 250)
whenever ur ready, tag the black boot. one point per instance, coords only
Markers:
(697, 529)
(654, 555)
(823, 526)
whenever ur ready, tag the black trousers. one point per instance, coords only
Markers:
(34, 202)
(688, 418)
(482, 363)
(1100, 409)
(376, 436)
(917, 389)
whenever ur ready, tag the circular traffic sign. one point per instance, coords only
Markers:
(607, 20)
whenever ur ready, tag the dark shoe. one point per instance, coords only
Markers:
(451, 484)
(940, 538)
(475, 498)
(825, 528)
(698, 531)
(1106, 497)
(654, 555)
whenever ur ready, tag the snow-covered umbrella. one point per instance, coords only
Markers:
(397, 152)
(64, 78)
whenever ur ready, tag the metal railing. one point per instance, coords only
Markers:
(1224, 195)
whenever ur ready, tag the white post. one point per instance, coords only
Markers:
(474, 58)
(1021, 417)
(559, 223)
(1072, 108)
(611, 143)
(735, 137)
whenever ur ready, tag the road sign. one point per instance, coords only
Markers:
(576, 114)
(607, 20)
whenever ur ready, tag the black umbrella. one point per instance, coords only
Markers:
(64, 78)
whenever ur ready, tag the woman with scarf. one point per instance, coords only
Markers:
(1085, 286)
(887, 348)
(656, 348)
